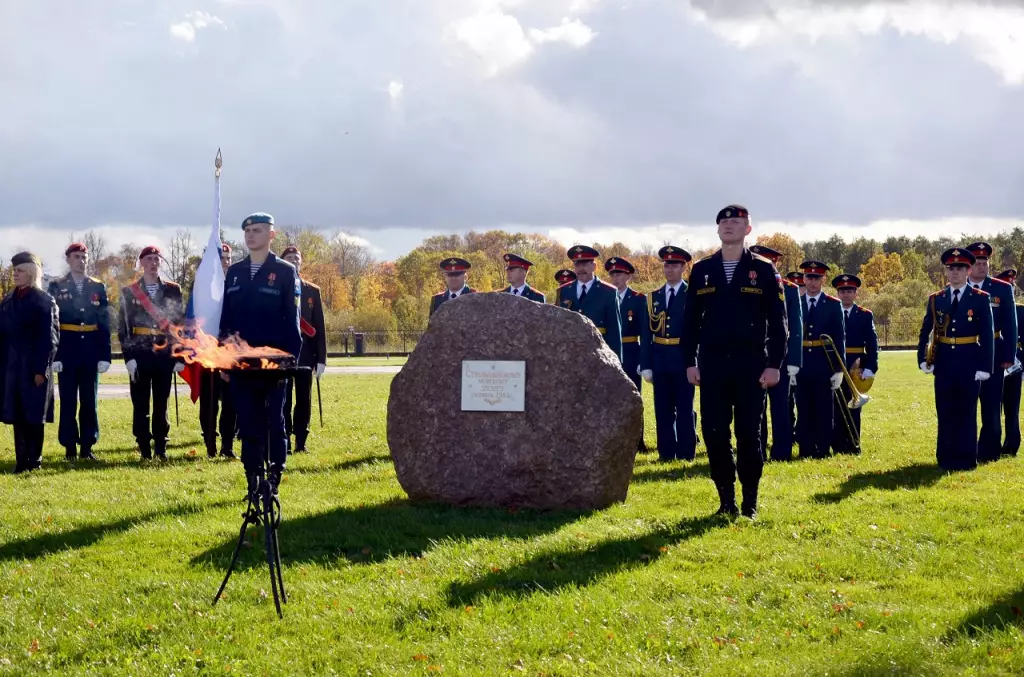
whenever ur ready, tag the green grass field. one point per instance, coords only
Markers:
(871, 565)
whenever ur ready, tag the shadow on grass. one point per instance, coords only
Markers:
(58, 464)
(558, 569)
(914, 476)
(657, 473)
(83, 537)
(374, 533)
(351, 464)
(1006, 612)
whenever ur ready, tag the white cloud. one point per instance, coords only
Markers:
(194, 21)
(495, 37)
(994, 33)
(574, 33)
(395, 89)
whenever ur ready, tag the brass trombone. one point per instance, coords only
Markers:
(857, 398)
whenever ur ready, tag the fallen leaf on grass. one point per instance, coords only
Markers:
(495, 570)
(739, 574)
(469, 609)
(420, 657)
(860, 625)
(33, 647)
(435, 668)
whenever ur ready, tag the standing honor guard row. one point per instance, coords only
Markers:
(313, 355)
(632, 307)
(1012, 377)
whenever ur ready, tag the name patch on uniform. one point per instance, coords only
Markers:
(268, 290)
(706, 290)
(750, 290)
(231, 289)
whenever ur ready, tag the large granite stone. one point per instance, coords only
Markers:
(574, 445)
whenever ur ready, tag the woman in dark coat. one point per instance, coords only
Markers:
(29, 335)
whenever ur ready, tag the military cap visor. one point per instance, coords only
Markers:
(25, 257)
(516, 261)
(564, 275)
(957, 256)
(617, 264)
(258, 217)
(670, 254)
(796, 277)
(455, 266)
(732, 212)
(766, 252)
(981, 250)
(582, 253)
(814, 268)
(846, 281)
(1008, 275)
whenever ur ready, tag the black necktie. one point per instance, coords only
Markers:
(846, 315)
(671, 295)
(956, 301)
(813, 302)
(515, 292)
(583, 295)
(454, 295)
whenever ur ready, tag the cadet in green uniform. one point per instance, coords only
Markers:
(312, 355)
(632, 317)
(455, 271)
(516, 269)
(148, 306)
(592, 297)
(84, 352)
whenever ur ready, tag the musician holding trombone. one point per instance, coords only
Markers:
(957, 346)
(861, 361)
(824, 355)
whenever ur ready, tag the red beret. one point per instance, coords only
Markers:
(290, 249)
(225, 247)
(76, 247)
(151, 249)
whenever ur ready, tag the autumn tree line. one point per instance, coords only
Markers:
(369, 295)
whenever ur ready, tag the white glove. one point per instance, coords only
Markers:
(648, 375)
(836, 380)
(133, 367)
(867, 373)
(320, 370)
(792, 380)
(58, 367)
(793, 370)
(926, 368)
(981, 375)
(638, 370)
(101, 366)
(178, 367)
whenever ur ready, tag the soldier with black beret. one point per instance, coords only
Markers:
(592, 297)
(148, 307)
(261, 306)
(632, 317)
(1012, 377)
(661, 361)
(734, 348)
(84, 352)
(455, 270)
(516, 269)
(1004, 325)
(957, 346)
(29, 336)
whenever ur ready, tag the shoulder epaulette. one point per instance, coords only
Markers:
(640, 294)
(937, 293)
(866, 310)
(788, 283)
(829, 296)
(998, 281)
(441, 293)
(980, 291)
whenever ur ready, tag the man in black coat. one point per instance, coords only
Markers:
(312, 355)
(29, 336)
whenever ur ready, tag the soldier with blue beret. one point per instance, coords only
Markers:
(592, 297)
(83, 354)
(956, 345)
(1004, 326)
(1012, 377)
(632, 317)
(861, 353)
(661, 360)
(516, 269)
(782, 395)
(261, 307)
(734, 347)
(455, 270)
(820, 374)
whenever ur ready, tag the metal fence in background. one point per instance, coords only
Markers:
(343, 343)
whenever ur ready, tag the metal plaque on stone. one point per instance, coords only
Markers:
(493, 386)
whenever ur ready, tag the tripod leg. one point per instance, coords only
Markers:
(238, 549)
(275, 516)
(268, 532)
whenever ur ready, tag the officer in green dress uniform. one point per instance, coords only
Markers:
(516, 269)
(592, 297)
(84, 352)
(632, 317)
(455, 271)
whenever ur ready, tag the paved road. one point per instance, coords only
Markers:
(121, 391)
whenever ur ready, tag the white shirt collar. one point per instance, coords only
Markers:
(675, 286)
(519, 290)
(961, 289)
(816, 297)
(457, 293)
(580, 286)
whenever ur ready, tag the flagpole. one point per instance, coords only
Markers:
(217, 163)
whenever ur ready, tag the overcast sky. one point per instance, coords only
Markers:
(585, 119)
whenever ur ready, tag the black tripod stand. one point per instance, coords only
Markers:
(263, 507)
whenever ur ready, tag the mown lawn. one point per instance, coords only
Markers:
(878, 564)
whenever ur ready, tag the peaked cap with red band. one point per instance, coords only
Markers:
(981, 250)
(846, 281)
(582, 252)
(796, 277)
(564, 276)
(1008, 275)
(670, 254)
(767, 252)
(617, 264)
(455, 265)
(958, 256)
(733, 212)
(813, 267)
(516, 261)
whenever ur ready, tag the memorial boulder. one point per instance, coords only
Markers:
(506, 402)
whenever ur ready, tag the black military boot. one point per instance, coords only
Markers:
(70, 454)
(161, 451)
(146, 450)
(226, 452)
(727, 500)
(86, 454)
(749, 502)
(211, 447)
(300, 444)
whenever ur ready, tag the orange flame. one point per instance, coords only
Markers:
(195, 346)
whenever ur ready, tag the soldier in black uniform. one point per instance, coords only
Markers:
(632, 317)
(215, 395)
(84, 352)
(455, 272)
(661, 361)
(592, 297)
(961, 355)
(313, 355)
(148, 307)
(261, 306)
(1012, 376)
(861, 353)
(734, 347)
(29, 335)
(516, 269)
